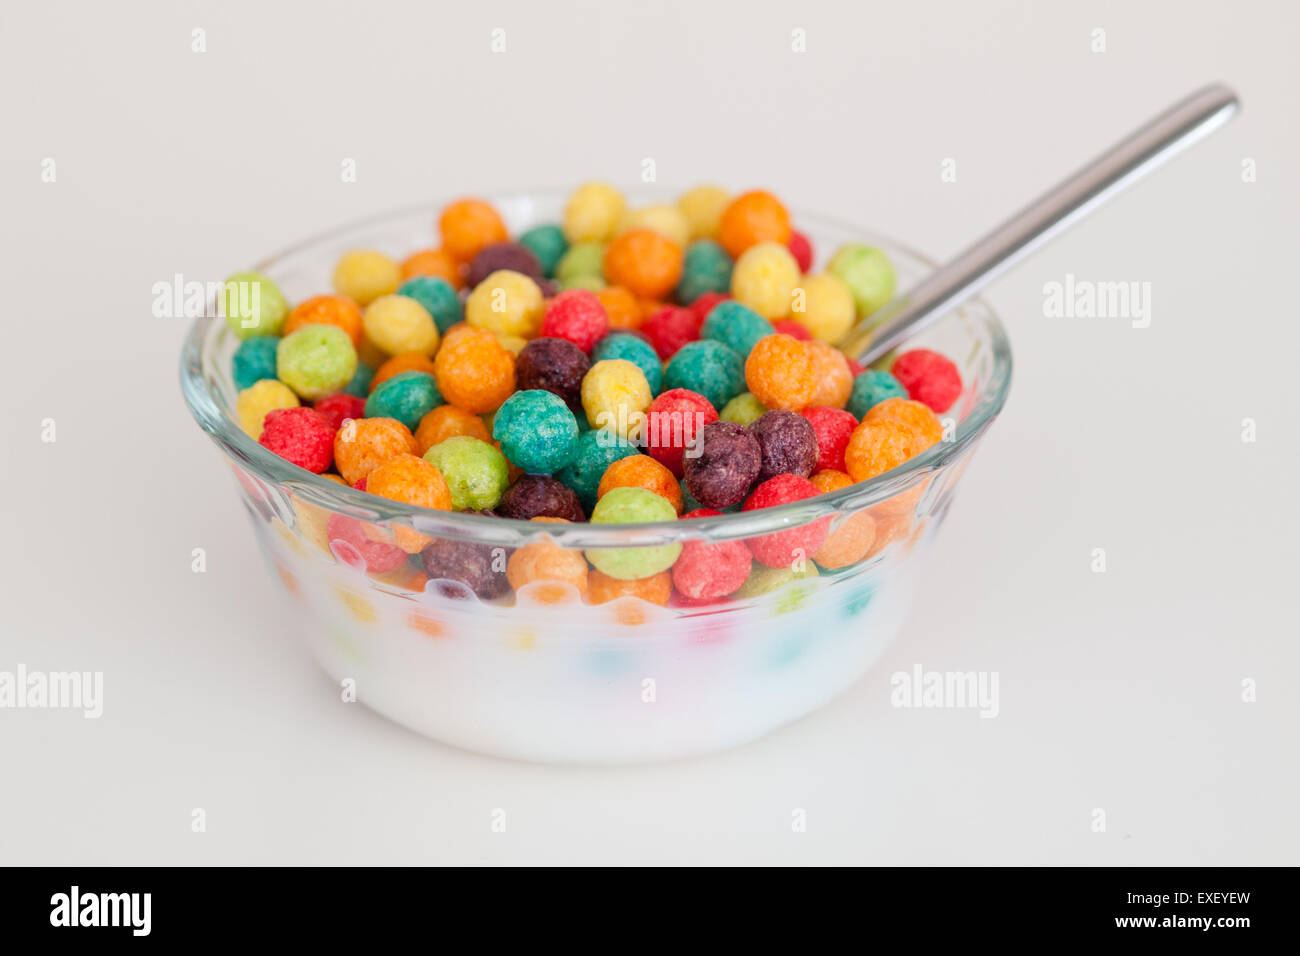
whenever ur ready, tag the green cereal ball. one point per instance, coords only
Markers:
(548, 244)
(438, 298)
(764, 580)
(360, 384)
(871, 388)
(408, 397)
(708, 367)
(633, 506)
(737, 326)
(582, 259)
(706, 267)
(590, 283)
(744, 409)
(634, 349)
(316, 360)
(597, 450)
(867, 272)
(253, 361)
(537, 431)
(475, 472)
(253, 305)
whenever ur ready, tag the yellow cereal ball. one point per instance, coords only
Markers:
(593, 213)
(615, 396)
(702, 207)
(398, 324)
(666, 220)
(511, 343)
(363, 275)
(764, 278)
(824, 307)
(507, 303)
(254, 402)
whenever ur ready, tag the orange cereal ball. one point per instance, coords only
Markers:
(641, 471)
(780, 373)
(823, 305)
(474, 371)
(828, 480)
(363, 444)
(832, 373)
(593, 213)
(506, 302)
(468, 225)
(702, 207)
(751, 218)
(433, 262)
(917, 414)
(411, 480)
(656, 589)
(336, 310)
(621, 306)
(666, 220)
(398, 323)
(547, 561)
(405, 362)
(448, 421)
(880, 445)
(850, 538)
(646, 263)
(363, 275)
(764, 278)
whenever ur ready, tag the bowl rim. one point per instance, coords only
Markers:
(300, 483)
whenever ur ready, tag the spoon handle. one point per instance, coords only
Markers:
(1150, 146)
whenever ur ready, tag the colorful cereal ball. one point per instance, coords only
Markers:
(596, 451)
(644, 262)
(780, 373)
(536, 431)
(468, 225)
(438, 297)
(765, 580)
(800, 247)
(553, 365)
(479, 567)
(751, 218)
(361, 379)
(548, 244)
(867, 272)
(397, 364)
(673, 424)
(364, 275)
(327, 310)
(436, 263)
(702, 206)
(744, 409)
(832, 374)
(593, 213)
(929, 377)
(824, 306)
(708, 367)
(729, 460)
(474, 371)
(872, 387)
(621, 307)
(338, 408)
(584, 259)
(510, 256)
(254, 402)
(578, 316)
(664, 219)
(881, 444)
(253, 305)
(347, 535)
(629, 505)
(641, 471)
(316, 361)
(707, 570)
(534, 496)
(736, 325)
(828, 479)
(410, 480)
(792, 328)
(544, 560)
(615, 396)
(794, 545)
(407, 397)
(360, 446)
(506, 302)
(788, 444)
(657, 588)
(635, 349)
(832, 428)
(475, 472)
(300, 435)
(911, 412)
(669, 328)
(448, 421)
(254, 360)
(398, 323)
(706, 267)
(764, 278)
(848, 541)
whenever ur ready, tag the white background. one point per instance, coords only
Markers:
(1120, 691)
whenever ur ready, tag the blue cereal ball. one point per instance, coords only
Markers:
(706, 267)
(708, 367)
(548, 244)
(634, 349)
(408, 397)
(735, 325)
(597, 450)
(536, 431)
(254, 360)
(361, 379)
(871, 388)
(438, 298)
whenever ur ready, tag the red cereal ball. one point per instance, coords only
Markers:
(928, 377)
(301, 435)
(800, 247)
(705, 570)
(833, 428)
(671, 327)
(348, 537)
(703, 305)
(338, 408)
(856, 368)
(783, 549)
(673, 424)
(578, 316)
(792, 328)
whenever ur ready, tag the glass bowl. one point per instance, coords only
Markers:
(540, 673)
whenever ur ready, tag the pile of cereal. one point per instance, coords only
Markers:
(624, 365)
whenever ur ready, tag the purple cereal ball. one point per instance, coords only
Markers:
(788, 443)
(728, 461)
(540, 496)
(550, 288)
(556, 365)
(480, 567)
(503, 255)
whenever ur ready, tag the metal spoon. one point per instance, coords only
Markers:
(1183, 124)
